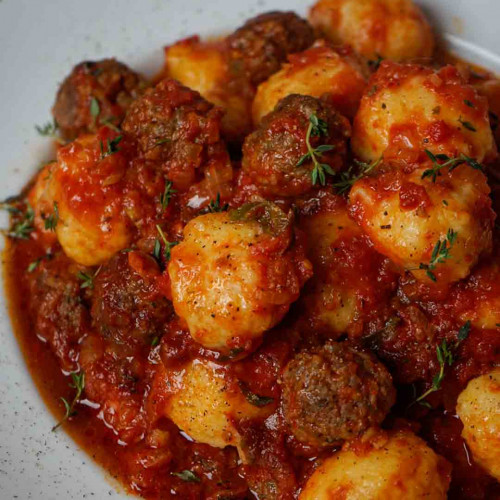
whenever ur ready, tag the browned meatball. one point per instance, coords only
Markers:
(57, 308)
(273, 155)
(175, 127)
(334, 393)
(127, 306)
(95, 92)
(257, 49)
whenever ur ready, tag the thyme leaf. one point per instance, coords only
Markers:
(450, 163)
(187, 475)
(348, 177)
(168, 244)
(215, 206)
(78, 383)
(317, 128)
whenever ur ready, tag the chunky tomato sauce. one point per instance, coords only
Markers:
(92, 289)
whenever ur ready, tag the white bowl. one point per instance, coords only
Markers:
(40, 42)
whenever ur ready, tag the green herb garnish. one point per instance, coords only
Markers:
(467, 125)
(87, 279)
(25, 226)
(253, 398)
(95, 109)
(168, 244)
(440, 253)
(51, 221)
(450, 163)
(445, 356)
(187, 475)
(318, 128)
(269, 216)
(111, 147)
(78, 383)
(215, 206)
(348, 177)
(167, 195)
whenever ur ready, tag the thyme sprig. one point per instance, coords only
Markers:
(88, 279)
(318, 128)
(111, 147)
(348, 177)
(168, 244)
(215, 206)
(78, 383)
(450, 163)
(445, 354)
(166, 196)
(49, 129)
(50, 221)
(187, 475)
(24, 226)
(440, 253)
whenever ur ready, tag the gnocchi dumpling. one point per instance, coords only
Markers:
(316, 71)
(437, 230)
(346, 291)
(234, 275)
(409, 108)
(205, 404)
(87, 191)
(478, 407)
(202, 66)
(389, 29)
(381, 466)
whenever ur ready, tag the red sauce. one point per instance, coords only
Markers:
(401, 321)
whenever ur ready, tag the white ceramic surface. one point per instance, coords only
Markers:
(40, 40)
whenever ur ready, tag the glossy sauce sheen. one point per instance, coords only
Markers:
(140, 369)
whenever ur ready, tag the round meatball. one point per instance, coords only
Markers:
(437, 230)
(95, 92)
(179, 130)
(392, 29)
(478, 407)
(318, 70)
(257, 49)
(351, 286)
(333, 393)
(59, 315)
(235, 275)
(203, 66)
(116, 379)
(87, 191)
(408, 109)
(381, 466)
(273, 155)
(205, 403)
(127, 305)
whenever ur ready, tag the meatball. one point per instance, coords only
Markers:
(204, 402)
(409, 108)
(115, 379)
(275, 156)
(318, 70)
(351, 286)
(127, 305)
(391, 29)
(57, 309)
(235, 275)
(478, 407)
(86, 187)
(95, 92)
(203, 66)
(179, 130)
(381, 466)
(436, 230)
(333, 393)
(257, 49)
